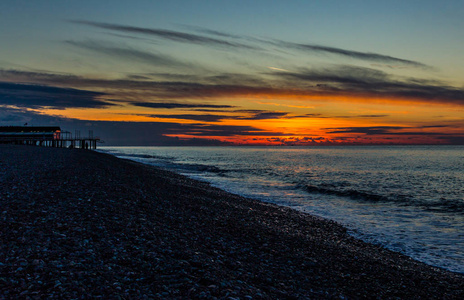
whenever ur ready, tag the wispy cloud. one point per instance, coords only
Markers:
(266, 116)
(175, 105)
(286, 105)
(366, 130)
(278, 69)
(371, 116)
(368, 56)
(204, 118)
(392, 130)
(316, 116)
(249, 115)
(129, 54)
(362, 116)
(322, 49)
(166, 34)
(214, 32)
(228, 40)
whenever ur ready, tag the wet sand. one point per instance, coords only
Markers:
(80, 224)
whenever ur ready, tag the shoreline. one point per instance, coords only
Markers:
(421, 219)
(79, 223)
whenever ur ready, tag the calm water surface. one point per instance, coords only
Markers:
(406, 198)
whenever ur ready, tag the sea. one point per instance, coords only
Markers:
(408, 199)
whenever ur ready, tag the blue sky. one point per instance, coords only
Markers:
(370, 58)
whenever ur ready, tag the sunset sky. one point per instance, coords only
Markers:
(236, 72)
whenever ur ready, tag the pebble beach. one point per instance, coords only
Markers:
(78, 224)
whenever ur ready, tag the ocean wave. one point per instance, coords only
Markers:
(201, 168)
(447, 205)
(439, 205)
(144, 156)
(358, 195)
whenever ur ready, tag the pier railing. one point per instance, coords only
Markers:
(50, 140)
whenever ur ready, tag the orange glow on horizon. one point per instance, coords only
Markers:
(299, 119)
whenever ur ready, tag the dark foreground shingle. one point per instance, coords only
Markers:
(80, 224)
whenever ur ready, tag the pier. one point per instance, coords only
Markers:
(48, 136)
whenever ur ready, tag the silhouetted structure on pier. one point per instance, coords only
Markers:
(50, 136)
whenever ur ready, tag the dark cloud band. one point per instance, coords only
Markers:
(173, 105)
(358, 82)
(40, 96)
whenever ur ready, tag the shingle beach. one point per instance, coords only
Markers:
(78, 224)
